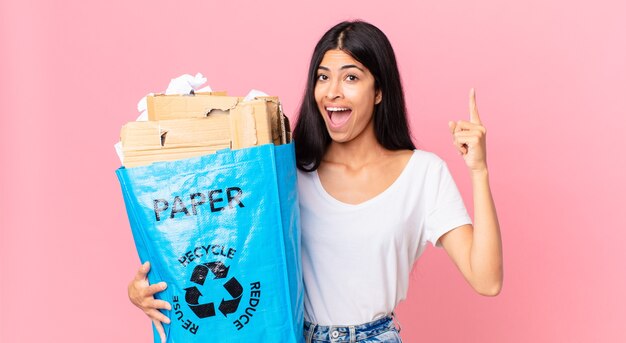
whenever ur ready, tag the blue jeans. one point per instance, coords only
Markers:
(380, 330)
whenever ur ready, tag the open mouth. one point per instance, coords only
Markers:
(338, 115)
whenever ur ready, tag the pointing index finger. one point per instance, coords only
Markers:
(473, 109)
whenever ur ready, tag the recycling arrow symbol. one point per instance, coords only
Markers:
(199, 276)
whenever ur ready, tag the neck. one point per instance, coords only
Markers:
(359, 151)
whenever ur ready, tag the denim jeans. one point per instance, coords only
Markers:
(380, 330)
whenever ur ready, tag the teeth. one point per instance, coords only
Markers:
(336, 109)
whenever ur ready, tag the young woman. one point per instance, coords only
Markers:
(369, 201)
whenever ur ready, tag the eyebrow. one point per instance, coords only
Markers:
(347, 66)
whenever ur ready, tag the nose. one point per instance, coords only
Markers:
(334, 90)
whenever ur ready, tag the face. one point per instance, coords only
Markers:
(345, 95)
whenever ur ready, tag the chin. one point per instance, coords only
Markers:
(342, 136)
(339, 137)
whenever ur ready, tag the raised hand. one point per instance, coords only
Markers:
(470, 137)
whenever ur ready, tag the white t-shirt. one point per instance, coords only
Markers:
(356, 259)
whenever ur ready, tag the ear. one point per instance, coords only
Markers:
(379, 97)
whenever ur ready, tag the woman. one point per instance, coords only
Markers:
(369, 201)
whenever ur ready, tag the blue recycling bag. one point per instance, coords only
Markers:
(223, 231)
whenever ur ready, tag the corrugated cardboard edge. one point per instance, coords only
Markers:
(251, 123)
(165, 107)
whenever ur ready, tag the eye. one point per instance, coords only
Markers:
(352, 77)
(322, 77)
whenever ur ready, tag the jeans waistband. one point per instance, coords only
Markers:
(347, 333)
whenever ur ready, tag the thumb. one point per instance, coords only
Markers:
(451, 126)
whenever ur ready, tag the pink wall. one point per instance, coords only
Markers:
(550, 77)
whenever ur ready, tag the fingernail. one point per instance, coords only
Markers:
(163, 285)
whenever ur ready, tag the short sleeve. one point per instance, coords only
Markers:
(446, 210)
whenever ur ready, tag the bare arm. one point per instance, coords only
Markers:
(476, 250)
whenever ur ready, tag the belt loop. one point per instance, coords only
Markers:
(352, 334)
(309, 337)
(396, 321)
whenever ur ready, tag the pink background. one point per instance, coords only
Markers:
(550, 78)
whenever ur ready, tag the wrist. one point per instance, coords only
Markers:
(482, 172)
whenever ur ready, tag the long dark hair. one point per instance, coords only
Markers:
(368, 45)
